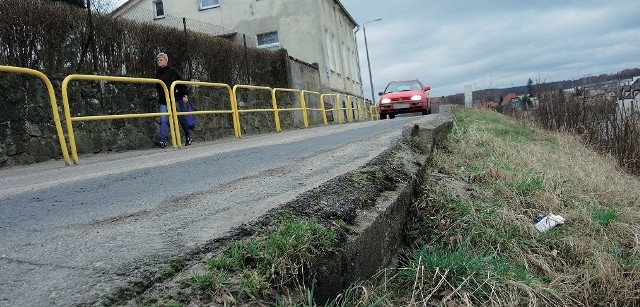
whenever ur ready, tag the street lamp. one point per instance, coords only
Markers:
(366, 48)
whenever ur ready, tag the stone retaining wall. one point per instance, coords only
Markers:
(378, 232)
(28, 134)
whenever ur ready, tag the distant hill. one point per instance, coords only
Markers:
(495, 94)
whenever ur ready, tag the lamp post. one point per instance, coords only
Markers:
(366, 48)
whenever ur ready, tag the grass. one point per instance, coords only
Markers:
(366, 176)
(251, 269)
(604, 217)
(470, 240)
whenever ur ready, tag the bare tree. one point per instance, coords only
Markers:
(104, 6)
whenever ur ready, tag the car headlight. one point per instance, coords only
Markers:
(416, 97)
(385, 101)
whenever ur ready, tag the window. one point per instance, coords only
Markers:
(352, 64)
(207, 4)
(158, 9)
(345, 63)
(336, 53)
(268, 40)
(332, 64)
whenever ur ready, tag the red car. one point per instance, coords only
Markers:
(404, 97)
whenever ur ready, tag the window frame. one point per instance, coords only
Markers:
(154, 5)
(269, 46)
(203, 7)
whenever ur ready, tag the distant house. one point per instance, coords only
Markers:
(318, 32)
(602, 89)
(512, 102)
(629, 96)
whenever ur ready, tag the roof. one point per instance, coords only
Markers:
(346, 13)
(126, 4)
(141, 14)
(508, 98)
(133, 2)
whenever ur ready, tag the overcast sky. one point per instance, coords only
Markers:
(494, 43)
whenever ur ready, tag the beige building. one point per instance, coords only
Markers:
(319, 32)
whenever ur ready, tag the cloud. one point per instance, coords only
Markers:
(495, 44)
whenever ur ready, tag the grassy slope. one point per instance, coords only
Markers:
(475, 244)
(472, 240)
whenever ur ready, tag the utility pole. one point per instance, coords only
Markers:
(366, 47)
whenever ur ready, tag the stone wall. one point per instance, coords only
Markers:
(28, 134)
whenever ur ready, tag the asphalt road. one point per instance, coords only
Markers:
(69, 234)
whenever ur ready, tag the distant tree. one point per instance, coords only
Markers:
(530, 93)
(561, 98)
(530, 90)
(78, 3)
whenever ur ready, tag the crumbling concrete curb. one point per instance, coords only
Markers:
(375, 222)
(378, 232)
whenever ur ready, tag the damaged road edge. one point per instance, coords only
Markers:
(377, 233)
(374, 201)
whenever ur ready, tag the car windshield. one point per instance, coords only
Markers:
(403, 86)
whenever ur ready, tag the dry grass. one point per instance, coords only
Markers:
(471, 239)
(474, 244)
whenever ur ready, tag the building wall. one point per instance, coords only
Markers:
(313, 31)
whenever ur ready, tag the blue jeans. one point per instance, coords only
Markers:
(164, 122)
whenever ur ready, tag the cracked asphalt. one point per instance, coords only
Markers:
(71, 234)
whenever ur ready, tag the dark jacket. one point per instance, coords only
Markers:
(169, 74)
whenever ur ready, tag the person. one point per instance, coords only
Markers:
(168, 75)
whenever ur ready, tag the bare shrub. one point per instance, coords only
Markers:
(53, 37)
(602, 124)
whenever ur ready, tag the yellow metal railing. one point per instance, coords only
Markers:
(70, 119)
(52, 100)
(306, 108)
(233, 107)
(336, 105)
(361, 109)
(352, 105)
(367, 110)
(349, 108)
(301, 108)
(274, 108)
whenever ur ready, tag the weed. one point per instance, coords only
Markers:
(359, 177)
(209, 281)
(253, 283)
(340, 223)
(527, 185)
(264, 262)
(367, 176)
(231, 259)
(605, 217)
(169, 270)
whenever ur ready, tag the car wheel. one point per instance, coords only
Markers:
(392, 116)
(383, 116)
